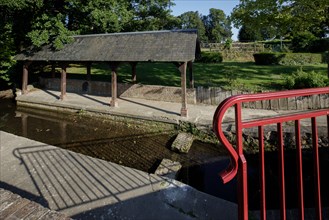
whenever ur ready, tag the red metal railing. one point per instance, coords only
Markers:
(238, 164)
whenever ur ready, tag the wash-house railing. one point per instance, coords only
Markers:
(238, 163)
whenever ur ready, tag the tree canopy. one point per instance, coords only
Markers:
(283, 17)
(214, 27)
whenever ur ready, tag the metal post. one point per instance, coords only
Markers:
(182, 69)
(242, 172)
(63, 83)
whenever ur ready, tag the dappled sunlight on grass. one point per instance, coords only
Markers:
(229, 75)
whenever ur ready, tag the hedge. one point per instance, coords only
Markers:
(210, 57)
(288, 59)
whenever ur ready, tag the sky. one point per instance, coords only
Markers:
(203, 6)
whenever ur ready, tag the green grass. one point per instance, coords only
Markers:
(228, 75)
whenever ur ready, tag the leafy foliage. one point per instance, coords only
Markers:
(288, 59)
(192, 20)
(210, 57)
(301, 79)
(283, 17)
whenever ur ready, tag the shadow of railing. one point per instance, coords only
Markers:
(67, 180)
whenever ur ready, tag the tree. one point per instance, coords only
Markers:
(151, 15)
(284, 16)
(98, 16)
(218, 26)
(192, 20)
(247, 34)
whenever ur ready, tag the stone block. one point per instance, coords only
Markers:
(182, 143)
(168, 168)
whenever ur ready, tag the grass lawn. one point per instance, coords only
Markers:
(228, 75)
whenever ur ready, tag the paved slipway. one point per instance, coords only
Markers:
(82, 187)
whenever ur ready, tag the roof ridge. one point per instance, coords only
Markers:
(137, 32)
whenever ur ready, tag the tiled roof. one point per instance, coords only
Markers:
(157, 46)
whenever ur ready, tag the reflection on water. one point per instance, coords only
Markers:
(132, 145)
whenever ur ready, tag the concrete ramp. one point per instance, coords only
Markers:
(87, 188)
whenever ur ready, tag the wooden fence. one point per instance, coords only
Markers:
(214, 96)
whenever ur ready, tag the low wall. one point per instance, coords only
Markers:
(200, 95)
(158, 93)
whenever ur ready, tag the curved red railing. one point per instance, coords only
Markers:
(238, 163)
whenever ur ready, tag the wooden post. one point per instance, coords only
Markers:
(114, 101)
(63, 82)
(89, 71)
(133, 71)
(53, 71)
(182, 69)
(190, 71)
(25, 77)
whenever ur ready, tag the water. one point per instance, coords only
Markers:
(140, 147)
(132, 145)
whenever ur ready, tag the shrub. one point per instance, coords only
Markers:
(267, 58)
(288, 59)
(301, 79)
(210, 57)
(301, 42)
(291, 59)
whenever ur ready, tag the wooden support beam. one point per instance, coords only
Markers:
(25, 77)
(133, 71)
(190, 71)
(182, 69)
(63, 82)
(114, 99)
(53, 71)
(89, 71)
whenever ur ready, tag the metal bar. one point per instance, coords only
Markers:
(280, 95)
(242, 173)
(281, 173)
(262, 172)
(316, 166)
(285, 118)
(299, 170)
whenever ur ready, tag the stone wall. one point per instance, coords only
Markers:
(162, 93)
(200, 95)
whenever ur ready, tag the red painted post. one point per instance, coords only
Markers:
(242, 162)
(281, 173)
(299, 170)
(262, 172)
(316, 167)
(238, 164)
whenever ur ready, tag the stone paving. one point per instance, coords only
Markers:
(13, 206)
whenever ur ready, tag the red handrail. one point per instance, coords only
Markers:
(238, 164)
